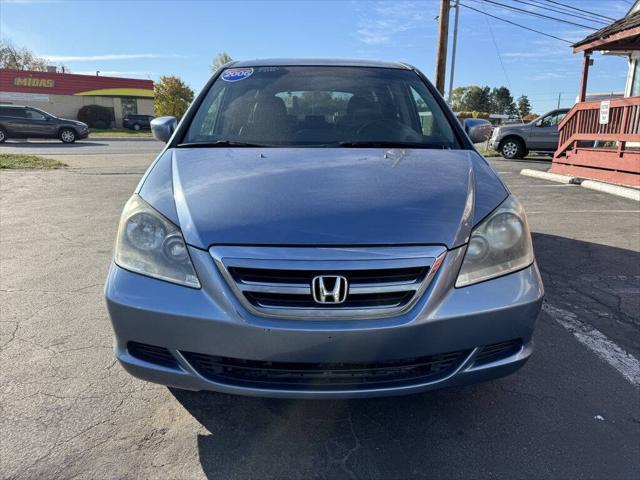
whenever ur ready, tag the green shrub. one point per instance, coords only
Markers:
(463, 115)
(96, 116)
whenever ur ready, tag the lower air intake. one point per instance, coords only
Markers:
(498, 351)
(324, 376)
(152, 354)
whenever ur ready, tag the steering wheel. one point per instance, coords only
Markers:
(389, 128)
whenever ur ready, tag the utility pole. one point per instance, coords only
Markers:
(443, 35)
(559, 97)
(453, 50)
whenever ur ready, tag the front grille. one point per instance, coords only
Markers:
(305, 276)
(374, 300)
(152, 354)
(324, 376)
(498, 351)
(275, 281)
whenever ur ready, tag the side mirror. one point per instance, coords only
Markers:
(479, 130)
(539, 123)
(163, 127)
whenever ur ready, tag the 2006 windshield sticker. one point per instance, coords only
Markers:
(236, 74)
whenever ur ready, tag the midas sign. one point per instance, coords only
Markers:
(33, 82)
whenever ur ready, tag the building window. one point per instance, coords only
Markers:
(129, 106)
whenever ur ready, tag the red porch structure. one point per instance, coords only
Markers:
(601, 147)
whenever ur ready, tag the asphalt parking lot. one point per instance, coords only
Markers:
(67, 410)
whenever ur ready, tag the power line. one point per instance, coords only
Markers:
(536, 4)
(567, 10)
(548, 96)
(580, 10)
(516, 24)
(504, 70)
(534, 14)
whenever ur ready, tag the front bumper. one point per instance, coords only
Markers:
(211, 321)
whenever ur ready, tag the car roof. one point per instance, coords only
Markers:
(318, 62)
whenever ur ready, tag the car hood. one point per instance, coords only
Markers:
(72, 122)
(324, 196)
(514, 127)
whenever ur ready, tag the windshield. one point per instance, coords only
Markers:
(320, 106)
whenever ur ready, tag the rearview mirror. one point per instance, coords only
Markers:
(478, 129)
(163, 127)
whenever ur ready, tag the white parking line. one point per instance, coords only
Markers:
(596, 341)
(582, 211)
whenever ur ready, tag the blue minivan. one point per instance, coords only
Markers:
(321, 229)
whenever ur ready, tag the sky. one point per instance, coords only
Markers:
(147, 39)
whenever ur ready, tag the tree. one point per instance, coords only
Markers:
(20, 58)
(221, 59)
(172, 96)
(471, 98)
(502, 101)
(478, 99)
(457, 95)
(16, 58)
(524, 107)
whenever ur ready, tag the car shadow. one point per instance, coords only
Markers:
(276, 438)
(456, 432)
(52, 144)
(600, 284)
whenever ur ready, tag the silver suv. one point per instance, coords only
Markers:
(540, 135)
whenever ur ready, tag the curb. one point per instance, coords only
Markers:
(129, 139)
(626, 192)
(554, 177)
(618, 190)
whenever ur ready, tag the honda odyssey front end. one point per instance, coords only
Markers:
(321, 229)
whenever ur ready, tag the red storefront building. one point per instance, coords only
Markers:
(63, 94)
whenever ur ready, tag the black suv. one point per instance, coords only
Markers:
(28, 122)
(137, 122)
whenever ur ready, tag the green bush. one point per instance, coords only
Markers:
(96, 116)
(463, 115)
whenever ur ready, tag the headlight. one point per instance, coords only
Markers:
(149, 244)
(500, 244)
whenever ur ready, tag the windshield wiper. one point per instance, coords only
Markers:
(219, 143)
(389, 144)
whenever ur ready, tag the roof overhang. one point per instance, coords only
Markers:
(620, 41)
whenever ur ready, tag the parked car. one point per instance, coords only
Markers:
(137, 122)
(539, 135)
(29, 122)
(304, 234)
